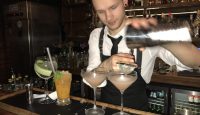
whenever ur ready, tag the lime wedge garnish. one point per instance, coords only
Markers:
(41, 69)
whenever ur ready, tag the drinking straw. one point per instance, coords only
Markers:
(48, 52)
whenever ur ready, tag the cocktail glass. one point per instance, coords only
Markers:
(122, 81)
(94, 78)
(42, 67)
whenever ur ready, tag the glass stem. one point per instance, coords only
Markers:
(46, 88)
(122, 102)
(94, 97)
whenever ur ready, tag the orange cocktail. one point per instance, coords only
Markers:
(63, 84)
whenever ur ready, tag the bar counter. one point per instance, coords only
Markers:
(14, 103)
(173, 78)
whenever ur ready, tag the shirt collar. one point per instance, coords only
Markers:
(121, 33)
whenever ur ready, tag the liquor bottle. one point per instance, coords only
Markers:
(13, 77)
(196, 25)
(160, 34)
(163, 18)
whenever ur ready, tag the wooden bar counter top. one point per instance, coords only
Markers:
(170, 78)
(8, 109)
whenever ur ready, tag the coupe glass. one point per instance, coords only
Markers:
(94, 78)
(43, 69)
(122, 81)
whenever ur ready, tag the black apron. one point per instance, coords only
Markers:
(134, 96)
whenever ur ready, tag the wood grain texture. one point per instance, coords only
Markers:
(177, 80)
(16, 110)
(19, 111)
(130, 110)
(11, 94)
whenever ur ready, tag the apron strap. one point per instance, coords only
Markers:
(139, 60)
(139, 53)
(101, 42)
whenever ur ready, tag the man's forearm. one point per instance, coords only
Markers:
(187, 53)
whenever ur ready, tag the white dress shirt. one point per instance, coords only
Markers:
(148, 55)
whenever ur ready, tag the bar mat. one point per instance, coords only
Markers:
(75, 108)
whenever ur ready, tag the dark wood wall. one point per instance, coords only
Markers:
(77, 20)
(73, 19)
(17, 49)
(3, 59)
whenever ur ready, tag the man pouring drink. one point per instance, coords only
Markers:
(108, 48)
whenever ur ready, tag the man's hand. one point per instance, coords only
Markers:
(112, 63)
(143, 23)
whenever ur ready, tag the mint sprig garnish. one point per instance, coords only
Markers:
(58, 75)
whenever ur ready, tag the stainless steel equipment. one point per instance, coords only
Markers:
(160, 34)
(185, 102)
(158, 99)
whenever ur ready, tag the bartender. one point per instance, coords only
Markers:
(107, 47)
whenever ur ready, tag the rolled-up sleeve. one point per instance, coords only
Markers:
(148, 60)
(94, 53)
(170, 59)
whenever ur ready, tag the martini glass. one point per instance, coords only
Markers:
(94, 78)
(122, 81)
(43, 69)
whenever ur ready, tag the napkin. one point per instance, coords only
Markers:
(52, 95)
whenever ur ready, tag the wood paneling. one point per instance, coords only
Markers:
(76, 19)
(15, 45)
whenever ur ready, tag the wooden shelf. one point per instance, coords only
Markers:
(174, 8)
(164, 6)
(176, 80)
(175, 5)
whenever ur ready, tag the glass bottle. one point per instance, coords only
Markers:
(13, 77)
(196, 24)
(9, 86)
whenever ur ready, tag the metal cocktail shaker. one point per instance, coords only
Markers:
(160, 34)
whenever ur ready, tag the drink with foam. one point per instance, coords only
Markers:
(122, 81)
(94, 79)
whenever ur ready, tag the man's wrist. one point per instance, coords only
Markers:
(103, 69)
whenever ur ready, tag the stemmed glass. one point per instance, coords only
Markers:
(43, 69)
(94, 78)
(122, 81)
